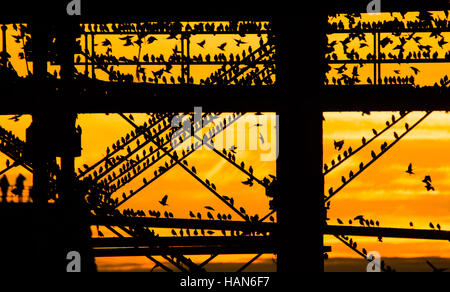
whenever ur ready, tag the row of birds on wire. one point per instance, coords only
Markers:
(176, 27)
(168, 166)
(251, 60)
(423, 21)
(169, 215)
(371, 223)
(383, 147)
(422, 51)
(354, 79)
(385, 268)
(412, 56)
(338, 145)
(11, 143)
(351, 243)
(176, 56)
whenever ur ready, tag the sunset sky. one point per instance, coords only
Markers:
(185, 193)
(384, 192)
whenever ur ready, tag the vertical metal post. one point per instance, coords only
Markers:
(86, 60)
(4, 59)
(182, 56)
(188, 57)
(379, 58)
(375, 57)
(93, 54)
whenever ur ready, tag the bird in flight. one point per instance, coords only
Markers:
(338, 145)
(415, 70)
(15, 118)
(151, 39)
(222, 46)
(209, 208)
(164, 200)
(429, 187)
(248, 182)
(202, 43)
(427, 179)
(410, 169)
(239, 42)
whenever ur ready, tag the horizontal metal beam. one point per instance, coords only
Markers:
(255, 241)
(134, 10)
(387, 232)
(382, 98)
(198, 250)
(183, 223)
(358, 6)
(93, 96)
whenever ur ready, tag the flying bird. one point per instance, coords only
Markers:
(239, 42)
(410, 169)
(151, 39)
(338, 145)
(164, 200)
(429, 187)
(222, 46)
(248, 182)
(202, 43)
(415, 70)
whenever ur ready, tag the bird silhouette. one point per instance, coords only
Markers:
(429, 187)
(410, 169)
(239, 42)
(164, 200)
(248, 182)
(222, 46)
(209, 208)
(151, 39)
(427, 179)
(202, 43)
(338, 145)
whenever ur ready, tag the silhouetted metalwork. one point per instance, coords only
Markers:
(351, 41)
(86, 196)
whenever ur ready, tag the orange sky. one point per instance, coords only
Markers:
(384, 192)
(185, 193)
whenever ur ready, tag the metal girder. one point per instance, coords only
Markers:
(383, 98)
(387, 232)
(93, 96)
(200, 250)
(183, 223)
(183, 241)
